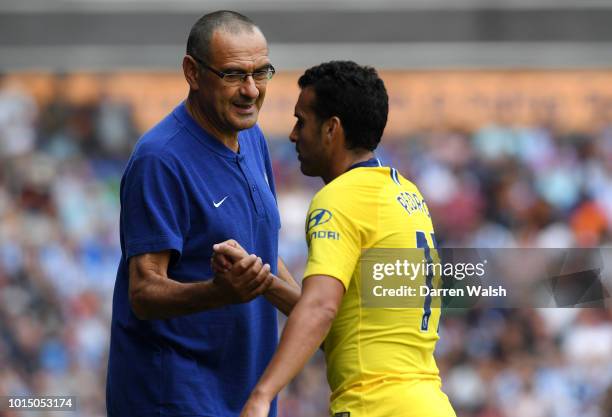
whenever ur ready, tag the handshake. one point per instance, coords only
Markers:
(241, 276)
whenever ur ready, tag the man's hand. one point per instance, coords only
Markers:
(283, 292)
(225, 254)
(256, 407)
(243, 280)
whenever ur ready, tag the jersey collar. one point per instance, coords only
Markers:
(372, 162)
(181, 113)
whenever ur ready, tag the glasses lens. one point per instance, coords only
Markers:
(259, 77)
(262, 75)
(234, 78)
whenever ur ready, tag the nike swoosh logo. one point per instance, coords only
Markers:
(217, 204)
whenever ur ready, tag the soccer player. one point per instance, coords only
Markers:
(379, 361)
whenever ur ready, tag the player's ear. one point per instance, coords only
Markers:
(191, 72)
(333, 127)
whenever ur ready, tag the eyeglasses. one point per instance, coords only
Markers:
(236, 78)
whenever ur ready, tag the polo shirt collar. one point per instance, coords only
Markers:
(208, 140)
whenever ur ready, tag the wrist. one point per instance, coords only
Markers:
(262, 393)
(276, 282)
(217, 293)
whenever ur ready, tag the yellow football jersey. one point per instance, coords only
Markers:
(380, 361)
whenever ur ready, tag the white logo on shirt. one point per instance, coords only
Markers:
(217, 204)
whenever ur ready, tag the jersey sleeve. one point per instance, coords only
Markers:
(334, 242)
(155, 215)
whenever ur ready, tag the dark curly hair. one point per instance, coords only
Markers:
(353, 93)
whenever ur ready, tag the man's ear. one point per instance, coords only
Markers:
(332, 129)
(191, 72)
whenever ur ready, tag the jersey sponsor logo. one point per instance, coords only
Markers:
(218, 203)
(324, 234)
(343, 414)
(317, 217)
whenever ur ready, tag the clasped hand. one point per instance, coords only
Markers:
(241, 276)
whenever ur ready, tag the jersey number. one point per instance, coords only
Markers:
(421, 241)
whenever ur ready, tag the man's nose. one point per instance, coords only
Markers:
(248, 88)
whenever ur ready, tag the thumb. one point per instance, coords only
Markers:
(224, 249)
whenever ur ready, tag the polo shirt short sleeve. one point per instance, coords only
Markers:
(154, 207)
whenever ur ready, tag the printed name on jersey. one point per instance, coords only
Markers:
(317, 217)
(412, 203)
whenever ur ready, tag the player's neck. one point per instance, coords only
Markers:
(229, 139)
(342, 162)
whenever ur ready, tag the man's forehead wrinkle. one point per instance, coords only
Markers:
(238, 54)
(247, 64)
(229, 51)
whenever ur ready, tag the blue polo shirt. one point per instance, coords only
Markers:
(184, 191)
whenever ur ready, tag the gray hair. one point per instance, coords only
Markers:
(200, 36)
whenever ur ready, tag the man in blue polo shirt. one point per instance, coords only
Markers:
(186, 342)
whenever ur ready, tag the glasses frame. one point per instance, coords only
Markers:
(270, 71)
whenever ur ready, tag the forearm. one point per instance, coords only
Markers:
(283, 295)
(284, 274)
(155, 295)
(306, 328)
(168, 298)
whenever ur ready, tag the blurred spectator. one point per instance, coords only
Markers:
(18, 113)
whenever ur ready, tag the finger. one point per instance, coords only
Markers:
(259, 278)
(218, 268)
(249, 275)
(244, 264)
(220, 262)
(229, 242)
(234, 243)
(223, 260)
(266, 285)
(235, 254)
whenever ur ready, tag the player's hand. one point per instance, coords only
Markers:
(245, 279)
(225, 254)
(255, 408)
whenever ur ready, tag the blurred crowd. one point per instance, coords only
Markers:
(498, 186)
